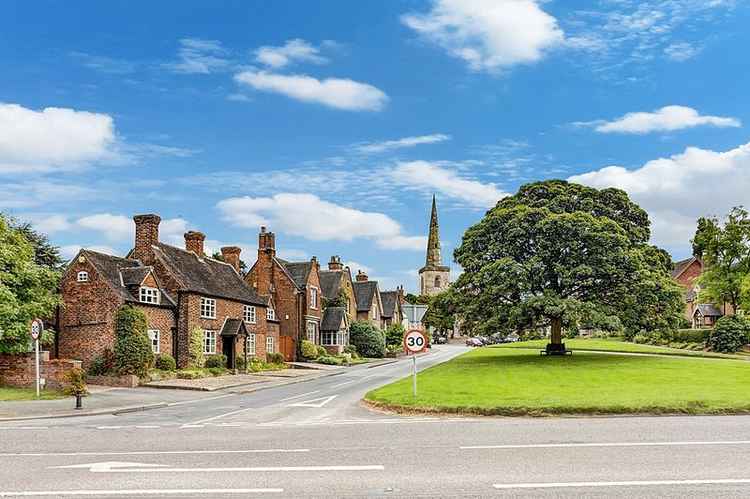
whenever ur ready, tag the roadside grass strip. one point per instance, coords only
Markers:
(520, 382)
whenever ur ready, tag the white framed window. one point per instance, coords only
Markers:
(82, 276)
(148, 295)
(209, 342)
(208, 308)
(333, 338)
(154, 335)
(312, 331)
(313, 298)
(270, 314)
(269, 345)
(250, 344)
(249, 313)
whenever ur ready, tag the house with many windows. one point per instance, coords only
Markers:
(369, 305)
(181, 290)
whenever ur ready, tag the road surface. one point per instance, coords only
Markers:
(314, 439)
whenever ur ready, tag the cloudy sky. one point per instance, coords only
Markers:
(333, 122)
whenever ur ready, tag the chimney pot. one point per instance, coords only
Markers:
(361, 276)
(194, 242)
(231, 255)
(146, 235)
(335, 263)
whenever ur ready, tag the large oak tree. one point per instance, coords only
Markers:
(564, 255)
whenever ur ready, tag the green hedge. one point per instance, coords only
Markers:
(368, 340)
(133, 353)
(691, 335)
(730, 334)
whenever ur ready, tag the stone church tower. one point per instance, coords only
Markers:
(434, 277)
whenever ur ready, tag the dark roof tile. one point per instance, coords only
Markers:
(364, 292)
(332, 319)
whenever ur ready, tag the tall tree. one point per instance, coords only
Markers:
(442, 310)
(27, 289)
(45, 253)
(562, 255)
(726, 253)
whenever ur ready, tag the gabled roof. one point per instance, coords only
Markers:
(205, 275)
(389, 299)
(330, 283)
(134, 276)
(679, 267)
(233, 327)
(300, 271)
(333, 318)
(364, 293)
(707, 310)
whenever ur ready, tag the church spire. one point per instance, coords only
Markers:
(434, 259)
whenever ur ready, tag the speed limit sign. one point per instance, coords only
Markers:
(37, 326)
(415, 341)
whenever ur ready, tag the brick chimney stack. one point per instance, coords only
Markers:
(316, 264)
(266, 242)
(194, 242)
(335, 263)
(361, 276)
(401, 296)
(231, 255)
(146, 235)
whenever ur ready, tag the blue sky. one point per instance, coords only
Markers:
(334, 122)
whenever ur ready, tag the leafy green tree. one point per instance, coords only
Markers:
(416, 299)
(133, 354)
(394, 335)
(560, 255)
(730, 334)
(342, 300)
(726, 253)
(442, 310)
(27, 289)
(45, 254)
(367, 339)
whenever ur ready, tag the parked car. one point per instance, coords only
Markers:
(512, 338)
(473, 342)
(440, 340)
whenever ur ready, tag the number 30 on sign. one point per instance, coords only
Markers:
(415, 341)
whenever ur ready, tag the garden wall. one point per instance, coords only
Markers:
(18, 369)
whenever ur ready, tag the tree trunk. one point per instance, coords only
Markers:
(556, 336)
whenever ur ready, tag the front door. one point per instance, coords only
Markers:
(229, 352)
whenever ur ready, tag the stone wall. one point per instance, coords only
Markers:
(18, 370)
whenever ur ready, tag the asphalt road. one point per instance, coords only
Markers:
(313, 439)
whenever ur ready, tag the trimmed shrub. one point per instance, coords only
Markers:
(729, 335)
(189, 374)
(329, 360)
(350, 349)
(77, 379)
(691, 335)
(394, 335)
(309, 350)
(216, 371)
(368, 341)
(103, 364)
(165, 362)
(275, 358)
(641, 338)
(322, 352)
(216, 360)
(133, 353)
(197, 358)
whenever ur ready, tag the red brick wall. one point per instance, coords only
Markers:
(267, 272)
(163, 320)
(19, 370)
(689, 275)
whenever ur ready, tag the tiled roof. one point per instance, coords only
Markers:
(134, 276)
(233, 327)
(364, 292)
(389, 300)
(680, 267)
(332, 318)
(300, 271)
(708, 310)
(206, 276)
(330, 283)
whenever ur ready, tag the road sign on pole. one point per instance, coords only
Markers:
(414, 341)
(37, 328)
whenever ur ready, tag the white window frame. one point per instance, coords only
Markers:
(250, 344)
(209, 338)
(270, 314)
(333, 338)
(82, 276)
(249, 314)
(154, 336)
(313, 298)
(208, 308)
(270, 345)
(314, 331)
(147, 294)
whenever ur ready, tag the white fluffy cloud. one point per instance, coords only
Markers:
(296, 50)
(308, 216)
(390, 145)
(337, 93)
(69, 251)
(431, 177)
(666, 119)
(119, 228)
(489, 34)
(198, 56)
(679, 189)
(52, 139)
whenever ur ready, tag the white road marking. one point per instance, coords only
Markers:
(150, 468)
(24, 427)
(108, 466)
(317, 403)
(108, 427)
(231, 413)
(299, 396)
(146, 427)
(172, 404)
(192, 426)
(151, 452)
(362, 421)
(633, 483)
(606, 444)
(136, 492)
(346, 383)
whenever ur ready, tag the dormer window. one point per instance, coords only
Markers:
(270, 314)
(83, 276)
(148, 295)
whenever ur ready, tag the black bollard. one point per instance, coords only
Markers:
(79, 400)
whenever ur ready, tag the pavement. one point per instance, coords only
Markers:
(315, 439)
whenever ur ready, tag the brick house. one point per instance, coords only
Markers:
(336, 282)
(392, 311)
(180, 290)
(686, 272)
(369, 306)
(334, 329)
(293, 290)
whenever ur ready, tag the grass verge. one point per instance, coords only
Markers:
(8, 393)
(519, 382)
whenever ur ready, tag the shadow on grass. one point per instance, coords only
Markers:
(491, 358)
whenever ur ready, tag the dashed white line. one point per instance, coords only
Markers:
(24, 427)
(606, 444)
(260, 469)
(146, 427)
(151, 452)
(136, 492)
(627, 483)
(172, 404)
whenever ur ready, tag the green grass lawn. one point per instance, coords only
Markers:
(619, 345)
(515, 381)
(9, 393)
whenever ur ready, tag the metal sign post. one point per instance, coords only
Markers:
(37, 327)
(414, 341)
